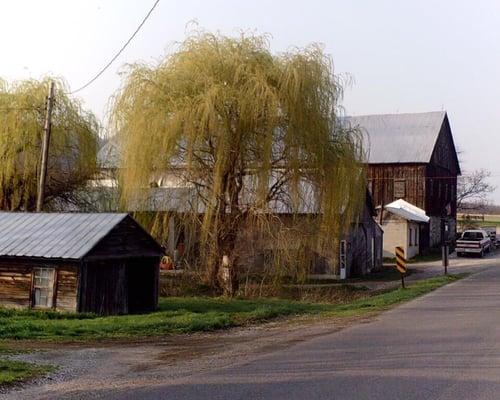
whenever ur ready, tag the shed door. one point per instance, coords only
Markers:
(43, 287)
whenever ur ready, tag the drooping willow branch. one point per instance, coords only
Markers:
(256, 134)
(72, 153)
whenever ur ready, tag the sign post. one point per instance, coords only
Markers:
(445, 254)
(343, 259)
(401, 264)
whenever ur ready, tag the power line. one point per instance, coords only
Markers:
(21, 108)
(119, 52)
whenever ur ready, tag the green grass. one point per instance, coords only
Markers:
(18, 371)
(190, 314)
(391, 298)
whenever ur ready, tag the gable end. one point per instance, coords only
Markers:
(444, 154)
(126, 239)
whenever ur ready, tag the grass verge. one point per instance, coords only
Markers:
(191, 314)
(17, 371)
(393, 297)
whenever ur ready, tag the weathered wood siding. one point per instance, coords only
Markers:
(119, 286)
(67, 288)
(441, 191)
(15, 285)
(103, 288)
(382, 179)
(127, 239)
(444, 154)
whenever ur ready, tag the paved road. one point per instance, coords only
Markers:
(445, 345)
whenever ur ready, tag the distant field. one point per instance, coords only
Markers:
(489, 219)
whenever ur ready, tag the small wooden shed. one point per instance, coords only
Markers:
(87, 262)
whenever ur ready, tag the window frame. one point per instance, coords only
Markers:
(49, 287)
(400, 183)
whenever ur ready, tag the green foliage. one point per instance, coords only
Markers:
(73, 143)
(191, 314)
(248, 131)
(18, 371)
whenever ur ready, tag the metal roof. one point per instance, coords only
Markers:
(53, 235)
(407, 211)
(109, 155)
(399, 138)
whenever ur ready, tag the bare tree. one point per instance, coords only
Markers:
(473, 190)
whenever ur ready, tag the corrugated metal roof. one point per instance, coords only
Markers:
(53, 235)
(399, 138)
(407, 211)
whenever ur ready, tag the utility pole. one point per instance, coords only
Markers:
(45, 149)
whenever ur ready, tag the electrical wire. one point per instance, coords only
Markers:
(20, 109)
(119, 52)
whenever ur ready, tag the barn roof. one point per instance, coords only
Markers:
(399, 138)
(109, 155)
(53, 235)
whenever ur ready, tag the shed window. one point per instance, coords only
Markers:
(43, 287)
(399, 188)
(410, 237)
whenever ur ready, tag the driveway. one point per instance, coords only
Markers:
(445, 345)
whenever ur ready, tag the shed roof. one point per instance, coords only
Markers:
(399, 138)
(54, 235)
(407, 211)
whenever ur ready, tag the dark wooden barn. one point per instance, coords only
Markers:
(100, 263)
(413, 157)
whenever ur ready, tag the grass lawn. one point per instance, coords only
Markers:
(18, 371)
(191, 314)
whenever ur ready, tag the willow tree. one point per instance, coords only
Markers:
(255, 134)
(73, 145)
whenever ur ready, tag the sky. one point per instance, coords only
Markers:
(402, 56)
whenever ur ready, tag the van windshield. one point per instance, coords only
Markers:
(472, 236)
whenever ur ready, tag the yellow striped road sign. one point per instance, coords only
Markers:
(400, 260)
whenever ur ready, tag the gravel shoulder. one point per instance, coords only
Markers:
(129, 365)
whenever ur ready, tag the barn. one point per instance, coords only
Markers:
(413, 157)
(87, 262)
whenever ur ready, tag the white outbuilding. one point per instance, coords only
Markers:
(402, 224)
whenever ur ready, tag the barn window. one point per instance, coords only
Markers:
(43, 287)
(399, 188)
